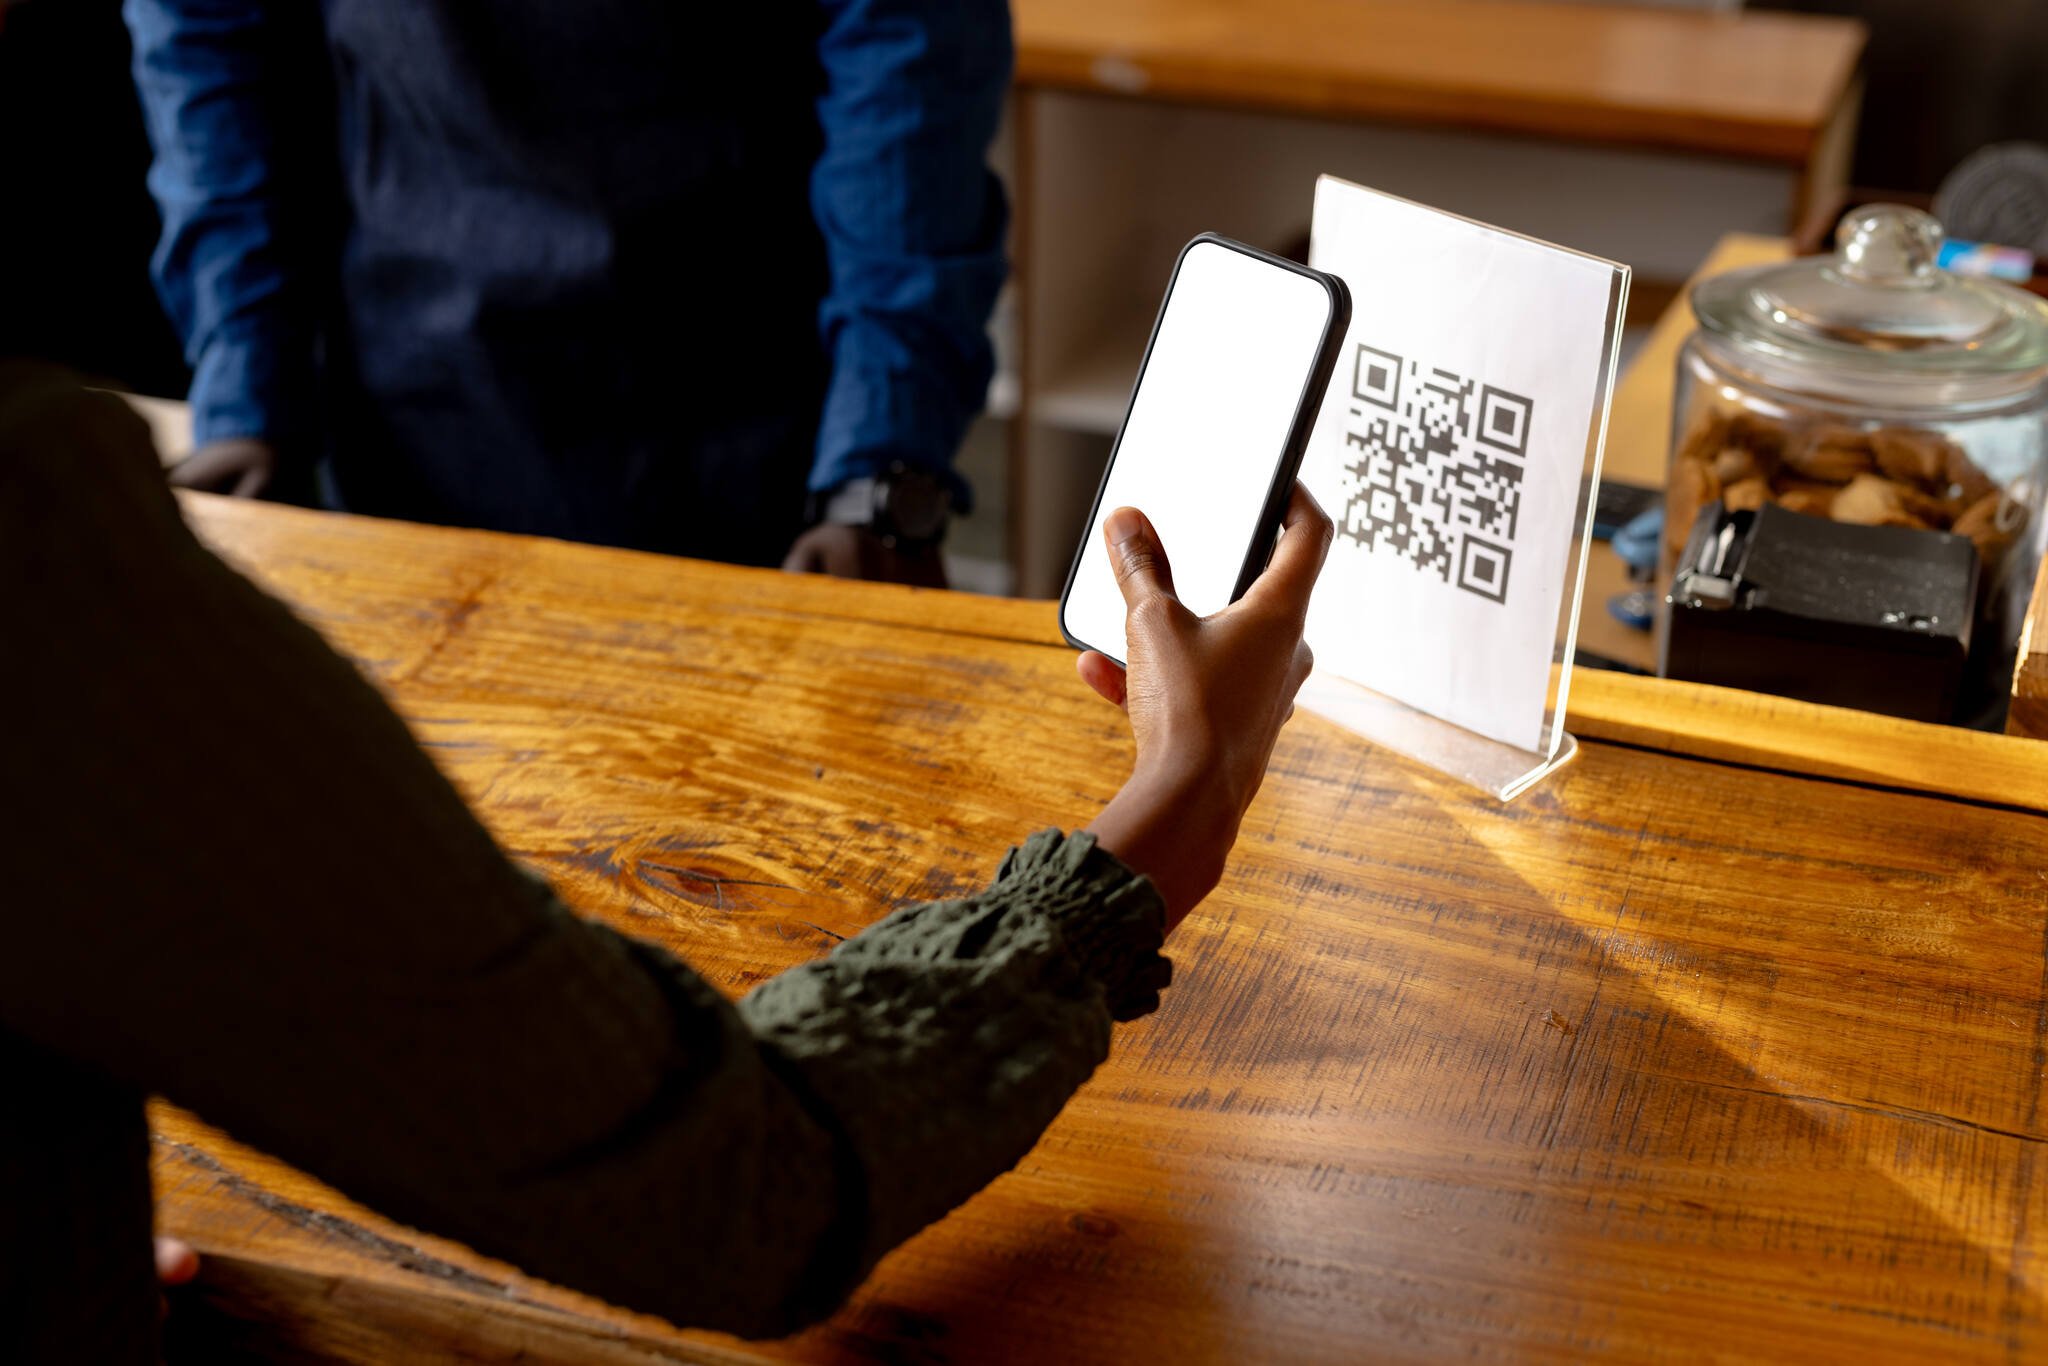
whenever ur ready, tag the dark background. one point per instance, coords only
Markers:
(78, 227)
(76, 222)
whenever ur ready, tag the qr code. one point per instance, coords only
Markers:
(1433, 470)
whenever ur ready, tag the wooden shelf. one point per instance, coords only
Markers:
(1006, 386)
(1005, 394)
(1753, 85)
(1090, 392)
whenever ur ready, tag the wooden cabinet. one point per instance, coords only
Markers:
(1639, 134)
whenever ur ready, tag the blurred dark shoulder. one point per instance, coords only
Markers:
(56, 431)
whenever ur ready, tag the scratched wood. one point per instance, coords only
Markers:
(1672, 1057)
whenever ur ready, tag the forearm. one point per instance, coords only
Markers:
(913, 223)
(1174, 828)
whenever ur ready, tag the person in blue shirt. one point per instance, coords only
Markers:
(677, 277)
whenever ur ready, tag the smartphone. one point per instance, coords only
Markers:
(1222, 409)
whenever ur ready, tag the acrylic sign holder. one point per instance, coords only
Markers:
(1502, 769)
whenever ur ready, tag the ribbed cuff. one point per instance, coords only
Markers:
(1111, 919)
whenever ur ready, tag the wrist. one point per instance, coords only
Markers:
(1175, 824)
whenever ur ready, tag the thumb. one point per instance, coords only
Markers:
(1136, 556)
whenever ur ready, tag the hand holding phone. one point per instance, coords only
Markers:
(1169, 576)
(1207, 697)
(1233, 375)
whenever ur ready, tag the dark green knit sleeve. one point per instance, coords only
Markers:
(943, 1040)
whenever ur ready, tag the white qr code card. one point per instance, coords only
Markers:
(1469, 399)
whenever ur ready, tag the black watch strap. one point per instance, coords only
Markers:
(907, 506)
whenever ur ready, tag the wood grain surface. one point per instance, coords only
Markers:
(1757, 85)
(1672, 1058)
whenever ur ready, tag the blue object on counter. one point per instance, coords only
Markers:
(1635, 609)
(1636, 542)
(1986, 258)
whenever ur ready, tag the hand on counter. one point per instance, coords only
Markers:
(853, 552)
(1206, 697)
(241, 467)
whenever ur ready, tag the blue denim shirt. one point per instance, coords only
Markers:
(507, 245)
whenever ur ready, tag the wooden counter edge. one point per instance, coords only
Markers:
(1733, 726)
(293, 1270)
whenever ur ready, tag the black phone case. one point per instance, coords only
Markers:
(1289, 467)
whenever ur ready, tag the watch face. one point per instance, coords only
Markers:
(914, 504)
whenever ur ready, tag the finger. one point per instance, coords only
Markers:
(1305, 538)
(176, 1262)
(205, 469)
(253, 481)
(804, 557)
(1103, 674)
(844, 552)
(1137, 556)
(239, 465)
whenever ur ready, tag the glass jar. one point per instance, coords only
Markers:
(1871, 386)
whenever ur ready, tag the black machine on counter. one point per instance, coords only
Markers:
(1873, 617)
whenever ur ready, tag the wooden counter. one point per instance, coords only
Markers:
(1738, 1053)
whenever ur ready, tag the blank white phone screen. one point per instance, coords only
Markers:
(1206, 430)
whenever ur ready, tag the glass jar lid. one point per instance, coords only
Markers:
(1879, 321)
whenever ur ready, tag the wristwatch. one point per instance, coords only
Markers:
(907, 507)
